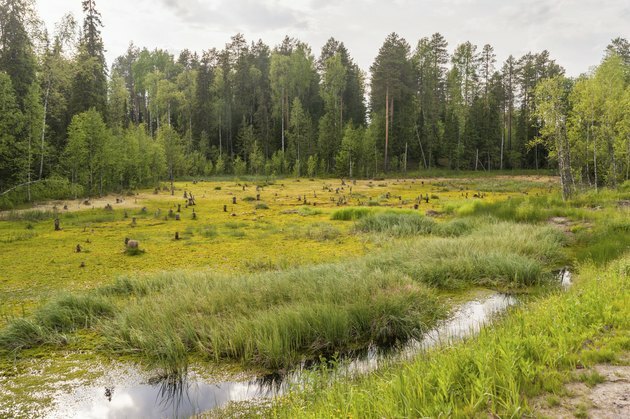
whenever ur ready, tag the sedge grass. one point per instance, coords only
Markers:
(533, 350)
(276, 319)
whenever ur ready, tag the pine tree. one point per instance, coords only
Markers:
(89, 88)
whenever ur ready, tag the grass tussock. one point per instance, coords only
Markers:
(351, 214)
(306, 211)
(532, 351)
(406, 223)
(52, 321)
(276, 319)
(273, 319)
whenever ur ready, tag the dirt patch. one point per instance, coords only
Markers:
(563, 224)
(609, 399)
(73, 205)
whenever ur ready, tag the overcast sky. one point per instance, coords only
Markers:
(574, 31)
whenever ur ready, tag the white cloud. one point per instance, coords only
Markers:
(574, 31)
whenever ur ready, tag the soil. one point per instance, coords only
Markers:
(608, 400)
(80, 204)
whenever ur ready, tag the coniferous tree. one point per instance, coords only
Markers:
(89, 89)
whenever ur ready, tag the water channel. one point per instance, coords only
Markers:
(186, 396)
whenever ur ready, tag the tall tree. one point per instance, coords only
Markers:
(17, 57)
(430, 59)
(392, 93)
(90, 82)
(551, 97)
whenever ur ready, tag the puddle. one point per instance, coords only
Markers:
(190, 395)
(564, 276)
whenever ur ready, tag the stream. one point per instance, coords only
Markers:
(186, 396)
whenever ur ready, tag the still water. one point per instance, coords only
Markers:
(185, 396)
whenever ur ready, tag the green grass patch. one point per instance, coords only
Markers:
(306, 211)
(532, 351)
(277, 319)
(351, 214)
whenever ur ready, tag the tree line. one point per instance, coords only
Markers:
(252, 109)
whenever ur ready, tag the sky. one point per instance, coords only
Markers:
(575, 32)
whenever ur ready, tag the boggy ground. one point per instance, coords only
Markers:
(331, 238)
(36, 262)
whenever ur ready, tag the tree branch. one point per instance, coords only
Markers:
(20, 185)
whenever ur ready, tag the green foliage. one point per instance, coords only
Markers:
(240, 167)
(89, 151)
(529, 352)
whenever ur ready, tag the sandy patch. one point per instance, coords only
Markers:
(608, 400)
(73, 205)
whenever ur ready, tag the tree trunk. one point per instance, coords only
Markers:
(421, 148)
(386, 127)
(41, 161)
(282, 118)
(595, 162)
(28, 168)
(406, 150)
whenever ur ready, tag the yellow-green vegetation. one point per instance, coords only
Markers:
(308, 268)
(37, 262)
(275, 319)
(532, 350)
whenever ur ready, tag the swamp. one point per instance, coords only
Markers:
(240, 291)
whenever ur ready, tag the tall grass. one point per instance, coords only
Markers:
(276, 319)
(604, 242)
(351, 214)
(397, 224)
(498, 254)
(27, 215)
(405, 223)
(533, 350)
(65, 314)
(273, 319)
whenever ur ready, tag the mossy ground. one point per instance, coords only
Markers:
(37, 263)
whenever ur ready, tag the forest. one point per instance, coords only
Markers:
(72, 126)
(270, 231)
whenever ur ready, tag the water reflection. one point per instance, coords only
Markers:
(187, 395)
